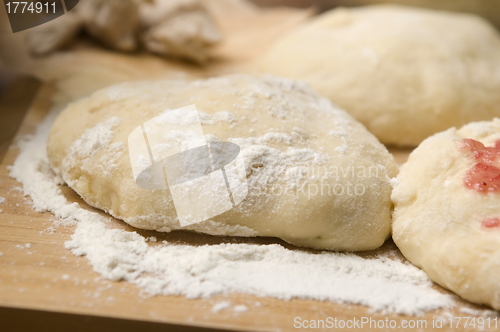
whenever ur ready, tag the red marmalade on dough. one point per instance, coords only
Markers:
(491, 222)
(484, 176)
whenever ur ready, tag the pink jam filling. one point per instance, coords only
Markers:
(491, 222)
(484, 176)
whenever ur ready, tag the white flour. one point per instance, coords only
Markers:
(263, 270)
(223, 305)
(219, 306)
(2, 200)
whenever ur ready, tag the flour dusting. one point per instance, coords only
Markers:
(219, 306)
(163, 268)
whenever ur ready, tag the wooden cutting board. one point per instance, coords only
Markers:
(37, 272)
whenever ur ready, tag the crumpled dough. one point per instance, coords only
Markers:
(178, 28)
(181, 28)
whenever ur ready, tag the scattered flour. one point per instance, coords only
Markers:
(219, 306)
(203, 271)
(240, 308)
(174, 117)
(219, 117)
(479, 313)
(2, 200)
(224, 305)
(50, 230)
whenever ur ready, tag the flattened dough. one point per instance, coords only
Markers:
(447, 210)
(404, 73)
(316, 177)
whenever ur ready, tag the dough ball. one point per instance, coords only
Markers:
(404, 73)
(316, 177)
(447, 210)
(489, 9)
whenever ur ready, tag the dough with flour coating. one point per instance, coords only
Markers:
(447, 210)
(316, 177)
(404, 73)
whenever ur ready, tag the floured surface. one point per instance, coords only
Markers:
(265, 271)
(43, 273)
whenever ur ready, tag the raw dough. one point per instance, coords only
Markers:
(289, 138)
(489, 9)
(404, 73)
(182, 28)
(446, 218)
(113, 22)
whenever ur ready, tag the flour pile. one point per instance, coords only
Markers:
(203, 271)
